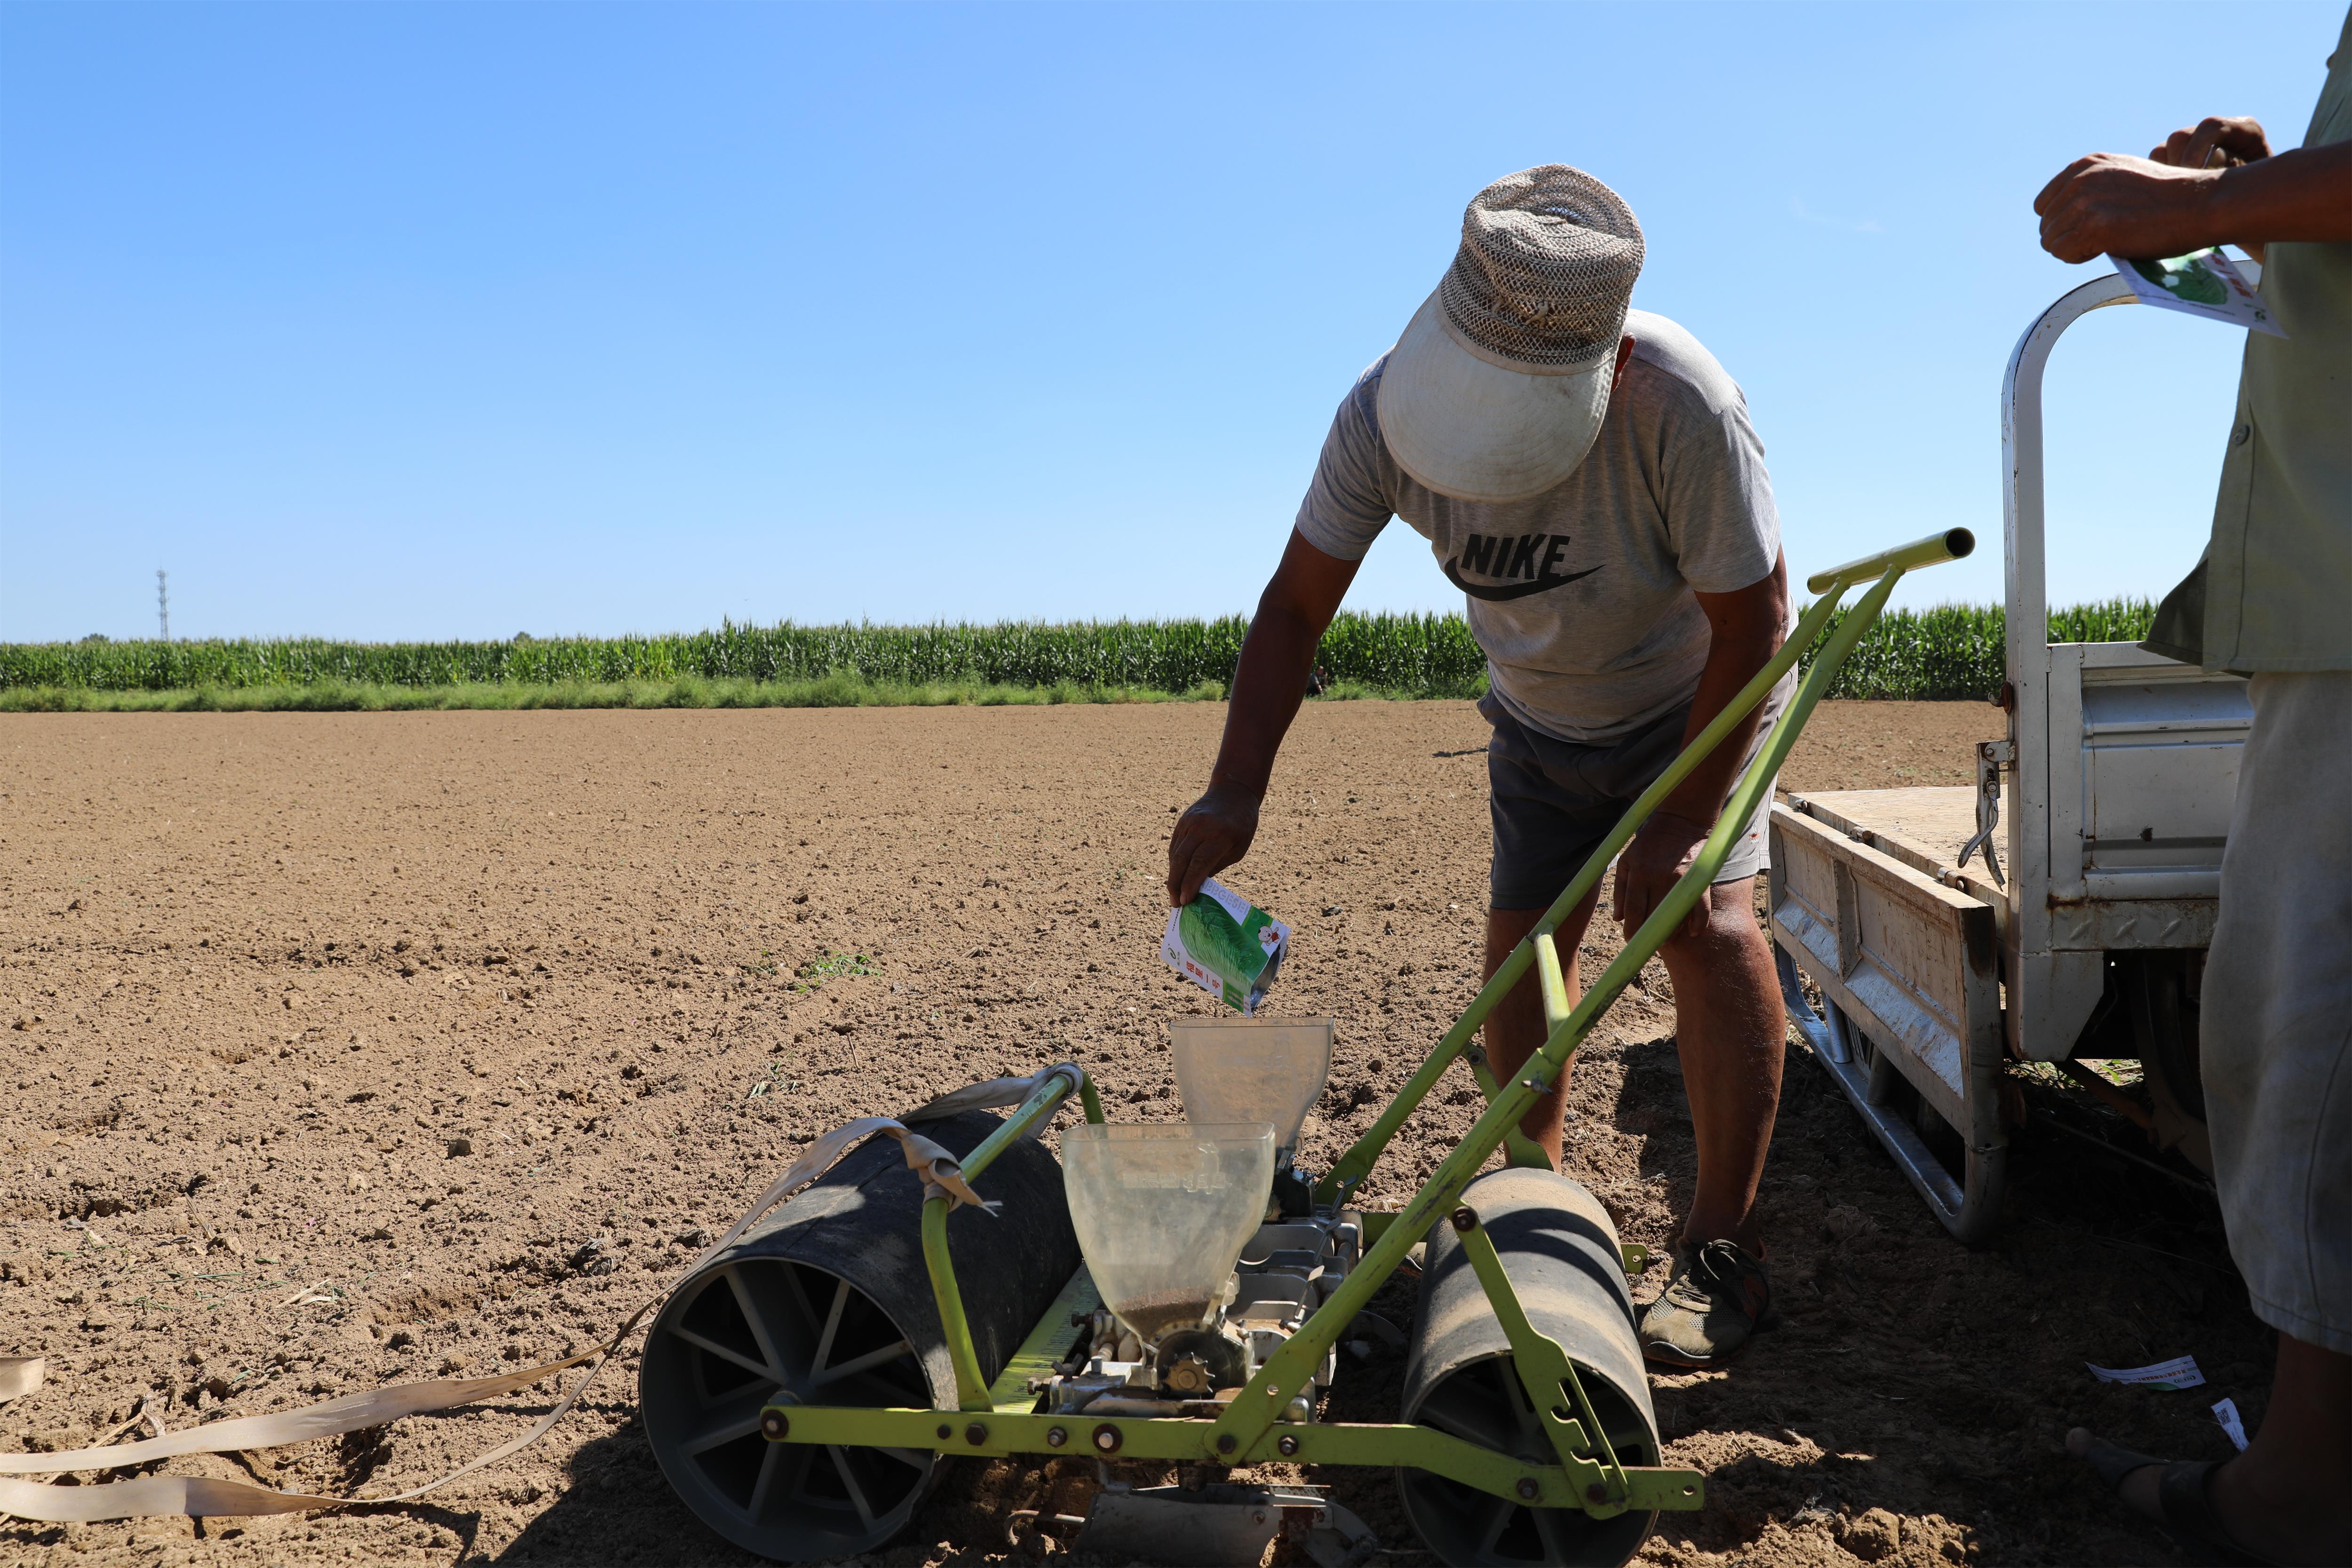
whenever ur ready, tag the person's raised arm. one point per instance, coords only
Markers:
(2169, 202)
(1268, 685)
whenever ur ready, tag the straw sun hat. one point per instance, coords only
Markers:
(1498, 388)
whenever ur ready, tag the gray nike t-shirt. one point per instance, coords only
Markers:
(1581, 597)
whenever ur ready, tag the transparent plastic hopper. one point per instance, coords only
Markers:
(1162, 1212)
(1233, 1070)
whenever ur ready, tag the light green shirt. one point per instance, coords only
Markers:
(2275, 589)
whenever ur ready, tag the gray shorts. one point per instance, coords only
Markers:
(2276, 1018)
(1554, 801)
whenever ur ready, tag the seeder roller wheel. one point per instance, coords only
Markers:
(747, 1331)
(829, 1303)
(1557, 1244)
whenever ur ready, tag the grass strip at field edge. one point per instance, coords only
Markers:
(831, 692)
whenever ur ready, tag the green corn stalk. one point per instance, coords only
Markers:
(1951, 651)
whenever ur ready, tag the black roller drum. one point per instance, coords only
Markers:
(829, 1301)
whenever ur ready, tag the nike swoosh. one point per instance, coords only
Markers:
(1518, 590)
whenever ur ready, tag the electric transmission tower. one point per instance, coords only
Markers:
(162, 607)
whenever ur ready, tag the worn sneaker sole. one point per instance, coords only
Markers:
(1668, 1356)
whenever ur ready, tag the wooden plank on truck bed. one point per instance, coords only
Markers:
(1924, 828)
(1912, 961)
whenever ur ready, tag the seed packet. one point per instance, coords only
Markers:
(1226, 945)
(2202, 283)
(2178, 1373)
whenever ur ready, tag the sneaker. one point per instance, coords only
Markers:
(1715, 1301)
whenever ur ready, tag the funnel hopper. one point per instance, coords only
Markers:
(1233, 1070)
(1162, 1212)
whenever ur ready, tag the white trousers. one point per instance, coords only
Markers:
(2276, 1018)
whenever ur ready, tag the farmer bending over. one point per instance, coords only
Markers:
(1587, 476)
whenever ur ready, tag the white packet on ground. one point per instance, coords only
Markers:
(1225, 945)
(2178, 1373)
(2226, 1412)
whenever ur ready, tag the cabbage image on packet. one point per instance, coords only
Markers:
(2202, 283)
(1226, 945)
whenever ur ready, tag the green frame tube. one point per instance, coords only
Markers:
(972, 1387)
(1001, 1434)
(1353, 1166)
(1950, 545)
(1289, 1368)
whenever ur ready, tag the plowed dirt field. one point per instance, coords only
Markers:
(264, 972)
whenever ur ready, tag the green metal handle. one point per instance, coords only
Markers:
(1555, 986)
(1950, 545)
(1289, 1368)
(1354, 1165)
(1520, 1150)
(1746, 796)
(1041, 1104)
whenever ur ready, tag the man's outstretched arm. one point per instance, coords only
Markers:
(2170, 203)
(1268, 685)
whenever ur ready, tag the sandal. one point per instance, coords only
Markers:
(2180, 1491)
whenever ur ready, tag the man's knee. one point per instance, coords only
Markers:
(1730, 928)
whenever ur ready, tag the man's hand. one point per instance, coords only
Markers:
(2168, 203)
(2241, 141)
(1211, 837)
(1651, 866)
(2131, 206)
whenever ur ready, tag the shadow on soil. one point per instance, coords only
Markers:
(617, 1508)
(1917, 1375)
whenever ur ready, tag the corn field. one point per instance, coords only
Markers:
(1951, 651)
(1956, 650)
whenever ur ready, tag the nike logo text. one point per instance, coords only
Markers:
(1508, 557)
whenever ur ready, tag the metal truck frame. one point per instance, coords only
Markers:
(2108, 805)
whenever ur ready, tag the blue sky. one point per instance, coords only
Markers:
(433, 320)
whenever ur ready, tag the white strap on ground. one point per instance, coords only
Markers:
(203, 1497)
(20, 1375)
